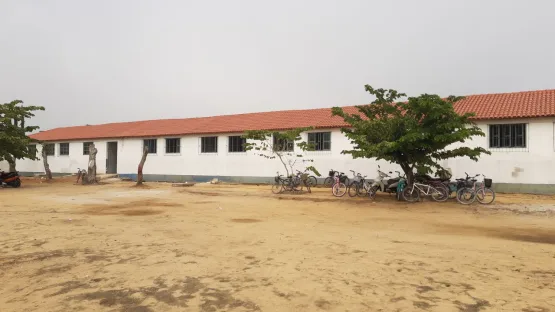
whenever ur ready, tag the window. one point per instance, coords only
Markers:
(283, 145)
(86, 147)
(64, 149)
(49, 149)
(32, 149)
(511, 135)
(236, 144)
(320, 141)
(209, 144)
(152, 145)
(173, 146)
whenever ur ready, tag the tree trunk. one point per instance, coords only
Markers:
(408, 172)
(91, 174)
(11, 162)
(141, 164)
(46, 165)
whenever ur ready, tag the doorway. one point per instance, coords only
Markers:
(112, 157)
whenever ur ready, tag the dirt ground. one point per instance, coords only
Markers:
(115, 247)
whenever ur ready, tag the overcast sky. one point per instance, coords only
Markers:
(91, 62)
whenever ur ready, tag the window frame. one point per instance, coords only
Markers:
(87, 150)
(202, 145)
(508, 136)
(53, 145)
(315, 144)
(155, 146)
(290, 144)
(177, 146)
(32, 146)
(231, 145)
(60, 149)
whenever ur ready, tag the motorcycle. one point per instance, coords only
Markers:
(10, 179)
(381, 184)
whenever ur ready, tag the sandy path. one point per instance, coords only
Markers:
(221, 248)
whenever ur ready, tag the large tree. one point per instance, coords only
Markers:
(287, 146)
(415, 134)
(14, 142)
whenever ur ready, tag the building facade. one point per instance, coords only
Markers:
(521, 142)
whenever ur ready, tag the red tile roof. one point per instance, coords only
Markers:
(487, 106)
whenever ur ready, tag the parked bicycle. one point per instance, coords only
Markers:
(330, 180)
(455, 186)
(411, 193)
(338, 188)
(291, 183)
(81, 174)
(480, 191)
(359, 186)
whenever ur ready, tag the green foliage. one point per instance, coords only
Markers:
(416, 133)
(281, 145)
(13, 131)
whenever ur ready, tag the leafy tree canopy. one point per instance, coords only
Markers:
(287, 146)
(416, 133)
(13, 131)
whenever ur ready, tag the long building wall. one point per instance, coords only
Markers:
(529, 169)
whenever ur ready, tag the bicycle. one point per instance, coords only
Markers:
(291, 183)
(437, 194)
(458, 184)
(339, 188)
(479, 191)
(358, 185)
(305, 179)
(329, 181)
(81, 174)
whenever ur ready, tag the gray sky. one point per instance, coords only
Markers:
(107, 61)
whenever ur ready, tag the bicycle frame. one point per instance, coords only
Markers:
(420, 186)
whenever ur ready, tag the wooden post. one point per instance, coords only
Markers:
(46, 165)
(91, 174)
(141, 164)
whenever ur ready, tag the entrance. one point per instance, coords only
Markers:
(112, 157)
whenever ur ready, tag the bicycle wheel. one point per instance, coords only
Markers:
(339, 189)
(353, 189)
(277, 188)
(313, 181)
(411, 194)
(439, 194)
(466, 196)
(328, 182)
(362, 190)
(372, 192)
(485, 196)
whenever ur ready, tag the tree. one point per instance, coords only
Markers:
(415, 134)
(45, 163)
(280, 145)
(14, 142)
(141, 165)
(91, 172)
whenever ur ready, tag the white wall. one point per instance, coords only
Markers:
(534, 164)
(65, 164)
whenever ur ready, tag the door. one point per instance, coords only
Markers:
(112, 157)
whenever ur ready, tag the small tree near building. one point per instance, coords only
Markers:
(141, 165)
(287, 146)
(91, 172)
(14, 142)
(415, 134)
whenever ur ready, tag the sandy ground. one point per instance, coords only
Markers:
(239, 248)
